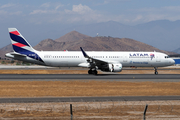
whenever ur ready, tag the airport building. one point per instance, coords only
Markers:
(176, 58)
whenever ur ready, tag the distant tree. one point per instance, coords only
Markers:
(25, 63)
(28, 63)
(18, 63)
(12, 61)
(3, 62)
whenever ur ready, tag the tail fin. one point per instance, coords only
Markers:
(19, 43)
(21, 46)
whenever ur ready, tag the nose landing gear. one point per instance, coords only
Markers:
(156, 72)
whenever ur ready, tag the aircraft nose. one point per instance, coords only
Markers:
(172, 61)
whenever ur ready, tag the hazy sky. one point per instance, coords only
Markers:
(88, 11)
(41, 15)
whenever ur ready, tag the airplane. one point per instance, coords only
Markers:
(107, 61)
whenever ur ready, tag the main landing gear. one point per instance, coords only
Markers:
(94, 72)
(156, 72)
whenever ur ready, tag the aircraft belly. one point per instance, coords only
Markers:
(55, 63)
(73, 64)
(62, 63)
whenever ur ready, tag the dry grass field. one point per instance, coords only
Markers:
(99, 111)
(86, 88)
(41, 71)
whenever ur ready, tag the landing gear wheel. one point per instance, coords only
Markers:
(156, 72)
(94, 72)
(90, 71)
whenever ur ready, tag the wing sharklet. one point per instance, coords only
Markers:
(92, 59)
(84, 53)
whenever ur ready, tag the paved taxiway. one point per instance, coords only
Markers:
(127, 77)
(88, 99)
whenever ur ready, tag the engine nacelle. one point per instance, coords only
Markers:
(112, 67)
(115, 67)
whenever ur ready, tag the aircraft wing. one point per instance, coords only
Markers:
(93, 61)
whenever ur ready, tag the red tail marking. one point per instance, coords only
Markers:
(15, 32)
(19, 44)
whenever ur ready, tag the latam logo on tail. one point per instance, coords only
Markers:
(21, 46)
(15, 32)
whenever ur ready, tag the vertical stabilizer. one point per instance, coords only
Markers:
(21, 46)
(19, 43)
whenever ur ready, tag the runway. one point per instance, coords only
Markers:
(88, 99)
(147, 77)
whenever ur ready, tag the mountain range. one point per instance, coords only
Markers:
(162, 34)
(72, 41)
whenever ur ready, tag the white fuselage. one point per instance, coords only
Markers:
(108, 61)
(75, 58)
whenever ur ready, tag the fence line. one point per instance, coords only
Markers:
(106, 108)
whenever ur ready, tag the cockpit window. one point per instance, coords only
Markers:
(166, 56)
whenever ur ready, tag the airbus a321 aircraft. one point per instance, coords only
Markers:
(108, 61)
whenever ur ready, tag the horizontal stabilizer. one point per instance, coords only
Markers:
(15, 54)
